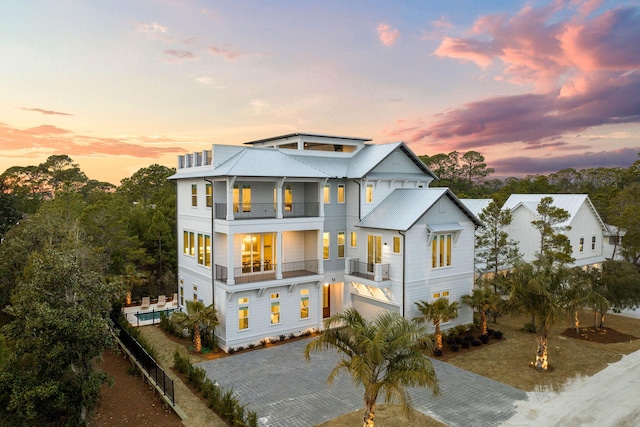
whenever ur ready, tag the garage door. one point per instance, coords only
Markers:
(369, 308)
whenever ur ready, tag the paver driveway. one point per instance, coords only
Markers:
(286, 391)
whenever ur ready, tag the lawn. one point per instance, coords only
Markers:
(508, 361)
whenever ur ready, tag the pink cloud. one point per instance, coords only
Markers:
(47, 112)
(175, 55)
(585, 66)
(228, 54)
(387, 35)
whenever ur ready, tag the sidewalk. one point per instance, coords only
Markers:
(607, 399)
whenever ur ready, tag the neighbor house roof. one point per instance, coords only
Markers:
(569, 202)
(401, 209)
(476, 205)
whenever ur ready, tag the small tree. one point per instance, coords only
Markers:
(197, 318)
(382, 355)
(439, 311)
(483, 300)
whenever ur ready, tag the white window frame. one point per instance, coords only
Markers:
(368, 194)
(243, 304)
(304, 304)
(353, 239)
(442, 259)
(275, 302)
(341, 246)
(194, 195)
(326, 245)
(342, 195)
(326, 194)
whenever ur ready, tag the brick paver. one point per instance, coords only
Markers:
(286, 391)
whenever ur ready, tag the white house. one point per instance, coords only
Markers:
(586, 234)
(283, 232)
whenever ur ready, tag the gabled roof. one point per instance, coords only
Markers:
(476, 205)
(365, 160)
(569, 202)
(401, 209)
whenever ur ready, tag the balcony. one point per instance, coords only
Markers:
(268, 210)
(369, 271)
(289, 270)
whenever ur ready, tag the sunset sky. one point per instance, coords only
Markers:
(119, 85)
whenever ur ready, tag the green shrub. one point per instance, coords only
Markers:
(529, 327)
(222, 402)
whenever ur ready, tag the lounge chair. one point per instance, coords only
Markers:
(162, 300)
(145, 303)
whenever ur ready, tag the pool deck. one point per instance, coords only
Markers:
(130, 312)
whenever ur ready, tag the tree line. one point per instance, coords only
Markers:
(71, 248)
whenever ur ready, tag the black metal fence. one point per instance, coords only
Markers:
(148, 363)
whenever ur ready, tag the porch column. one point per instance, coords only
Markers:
(321, 197)
(279, 253)
(321, 253)
(377, 272)
(279, 185)
(230, 265)
(230, 183)
(347, 266)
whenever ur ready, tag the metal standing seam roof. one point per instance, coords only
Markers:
(476, 205)
(269, 162)
(569, 202)
(404, 206)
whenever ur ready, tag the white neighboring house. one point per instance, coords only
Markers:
(612, 248)
(286, 231)
(586, 234)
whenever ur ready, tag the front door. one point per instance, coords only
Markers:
(326, 301)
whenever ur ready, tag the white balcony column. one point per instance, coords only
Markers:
(230, 182)
(279, 200)
(279, 254)
(377, 272)
(230, 265)
(320, 253)
(321, 197)
(347, 266)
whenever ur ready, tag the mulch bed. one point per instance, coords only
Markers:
(447, 353)
(602, 335)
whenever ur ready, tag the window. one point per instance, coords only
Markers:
(194, 195)
(396, 245)
(242, 197)
(441, 250)
(581, 245)
(243, 313)
(204, 250)
(327, 194)
(195, 292)
(369, 194)
(443, 294)
(275, 309)
(340, 244)
(325, 245)
(188, 244)
(436, 295)
(593, 243)
(354, 239)
(288, 199)
(209, 193)
(182, 296)
(304, 303)
(340, 193)
(258, 252)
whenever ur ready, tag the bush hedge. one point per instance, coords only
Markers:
(222, 402)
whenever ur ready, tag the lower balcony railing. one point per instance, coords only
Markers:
(289, 269)
(367, 270)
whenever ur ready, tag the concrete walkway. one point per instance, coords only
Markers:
(286, 391)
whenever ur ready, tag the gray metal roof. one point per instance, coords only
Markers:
(289, 135)
(569, 202)
(404, 206)
(476, 205)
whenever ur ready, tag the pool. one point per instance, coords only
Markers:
(154, 315)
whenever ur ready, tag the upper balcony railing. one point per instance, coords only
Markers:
(268, 210)
(368, 270)
(289, 269)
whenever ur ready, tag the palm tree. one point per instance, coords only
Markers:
(541, 293)
(483, 300)
(586, 290)
(439, 311)
(197, 318)
(384, 355)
